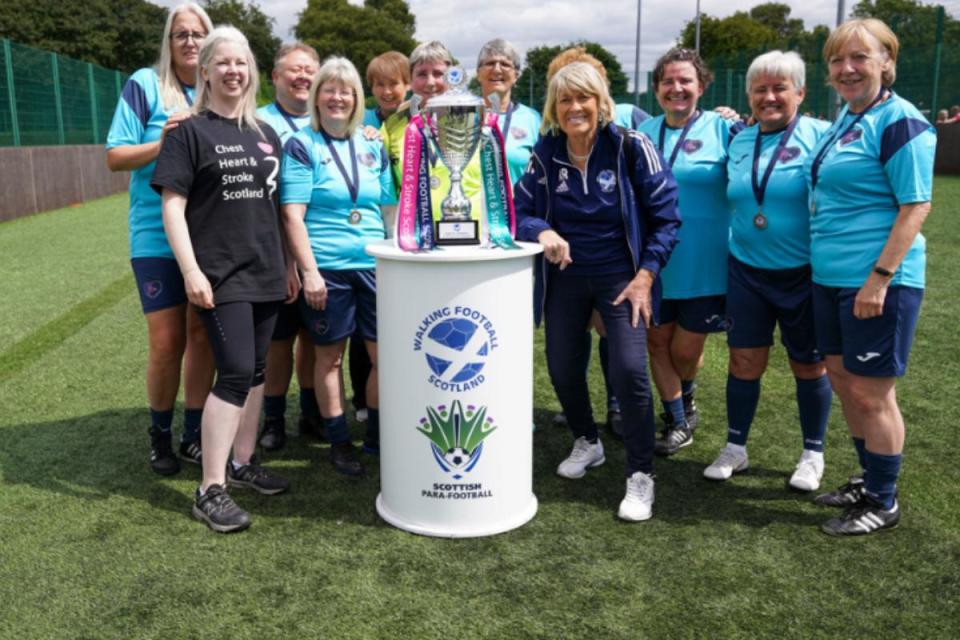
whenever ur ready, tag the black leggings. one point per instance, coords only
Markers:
(239, 336)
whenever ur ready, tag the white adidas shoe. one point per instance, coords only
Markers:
(637, 504)
(583, 456)
(730, 461)
(808, 473)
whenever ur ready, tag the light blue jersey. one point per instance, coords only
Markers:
(371, 118)
(283, 122)
(524, 131)
(138, 119)
(628, 116)
(784, 241)
(885, 161)
(311, 176)
(698, 265)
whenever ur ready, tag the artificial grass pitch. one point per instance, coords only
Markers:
(94, 545)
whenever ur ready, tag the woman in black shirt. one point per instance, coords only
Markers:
(217, 173)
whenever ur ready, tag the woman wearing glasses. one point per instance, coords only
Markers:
(153, 103)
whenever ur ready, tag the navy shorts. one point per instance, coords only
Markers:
(706, 314)
(288, 322)
(159, 283)
(760, 299)
(877, 347)
(351, 307)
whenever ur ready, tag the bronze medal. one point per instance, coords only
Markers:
(355, 217)
(760, 221)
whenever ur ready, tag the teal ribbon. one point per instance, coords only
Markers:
(494, 191)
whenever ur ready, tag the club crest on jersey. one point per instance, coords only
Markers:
(607, 180)
(366, 159)
(518, 133)
(788, 154)
(692, 146)
(851, 136)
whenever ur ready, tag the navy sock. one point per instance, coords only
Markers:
(373, 426)
(308, 403)
(881, 482)
(687, 387)
(274, 406)
(674, 409)
(162, 420)
(742, 399)
(861, 446)
(336, 429)
(192, 418)
(813, 403)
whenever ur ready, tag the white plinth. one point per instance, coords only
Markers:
(455, 345)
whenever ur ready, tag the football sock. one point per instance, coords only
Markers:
(687, 387)
(373, 426)
(336, 429)
(274, 406)
(742, 399)
(674, 409)
(308, 402)
(813, 403)
(191, 424)
(881, 481)
(861, 446)
(162, 420)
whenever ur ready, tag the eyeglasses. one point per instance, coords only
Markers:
(183, 36)
(503, 64)
(336, 92)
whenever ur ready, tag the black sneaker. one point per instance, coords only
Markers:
(691, 413)
(615, 423)
(219, 511)
(191, 452)
(673, 439)
(274, 436)
(344, 459)
(845, 496)
(253, 476)
(162, 458)
(311, 427)
(866, 516)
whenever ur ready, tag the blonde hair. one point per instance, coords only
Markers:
(171, 91)
(575, 54)
(248, 103)
(338, 69)
(861, 28)
(577, 76)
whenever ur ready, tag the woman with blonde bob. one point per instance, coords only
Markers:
(336, 187)
(217, 173)
(153, 103)
(870, 180)
(603, 204)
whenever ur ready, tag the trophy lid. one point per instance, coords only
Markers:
(457, 93)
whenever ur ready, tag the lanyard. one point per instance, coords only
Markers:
(505, 129)
(186, 94)
(760, 189)
(683, 136)
(353, 186)
(822, 154)
(288, 117)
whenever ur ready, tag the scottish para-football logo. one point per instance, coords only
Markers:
(456, 342)
(456, 435)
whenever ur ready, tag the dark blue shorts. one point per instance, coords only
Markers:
(351, 306)
(759, 299)
(878, 347)
(288, 322)
(706, 314)
(159, 283)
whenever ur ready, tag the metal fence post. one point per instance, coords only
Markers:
(57, 99)
(729, 87)
(11, 93)
(650, 92)
(119, 81)
(938, 50)
(93, 104)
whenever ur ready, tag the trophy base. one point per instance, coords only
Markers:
(457, 232)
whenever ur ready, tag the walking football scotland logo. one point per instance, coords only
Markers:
(456, 342)
(456, 435)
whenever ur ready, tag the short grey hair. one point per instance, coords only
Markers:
(778, 64)
(434, 51)
(499, 47)
(289, 48)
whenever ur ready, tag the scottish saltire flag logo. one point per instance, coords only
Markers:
(456, 350)
(456, 435)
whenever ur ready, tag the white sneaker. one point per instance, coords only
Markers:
(637, 505)
(583, 456)
(808, 474)
(729, 462)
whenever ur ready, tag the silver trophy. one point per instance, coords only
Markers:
(454, 121)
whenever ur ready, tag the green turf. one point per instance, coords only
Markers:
(93, 545)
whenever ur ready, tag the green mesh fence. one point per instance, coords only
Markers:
(49, 99)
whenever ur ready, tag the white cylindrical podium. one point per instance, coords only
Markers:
(455, 352)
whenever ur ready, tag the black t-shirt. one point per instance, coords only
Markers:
(229, 177)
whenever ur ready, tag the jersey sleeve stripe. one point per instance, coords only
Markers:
(136, 98)
(898, 134)
(295, 149)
